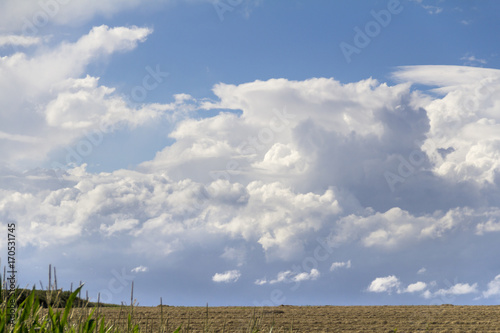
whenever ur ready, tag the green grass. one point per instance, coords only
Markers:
(30, 315)
(26, 315)
(54, 298)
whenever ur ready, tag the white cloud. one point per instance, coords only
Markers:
(119, 225)
(140, 269)
(416, 287)
(157, 215)
(463, 122)
(340, 264)
(18, 138)
(386, 284)
(448, 78)
(282, 158)
(457, 289)
(281, 277)
(489, 226)
(429, 8)
(274, 138)
(260, 282)
(289, 277)
(19, 40)
(432, 9)
(59, 107)
(422, 270)
(270, 208)
(391, 283)
(397, 227)
(472, 60)
(304, 276)
(493, 288)
(227, 277)
(269, 181)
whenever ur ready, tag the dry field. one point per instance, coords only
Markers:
(443, 318)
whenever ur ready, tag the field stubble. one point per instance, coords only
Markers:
(444, 318)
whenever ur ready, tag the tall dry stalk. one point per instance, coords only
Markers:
(55, 278)
(161, 315)
(50, 277)
(132, 297)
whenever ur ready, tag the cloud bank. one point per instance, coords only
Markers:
(373, 167)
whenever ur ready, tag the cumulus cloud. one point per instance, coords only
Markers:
(227, 277)
(386, 284)
(140, 269)
(464, 121)
(493, 288)
(432, 10)
(492, 225)
(248, 164)
(274, 139)
(157, 214)
(260, 282)
(19, 40)
(119, 225)
(416, 287)
(281, 277)
(291, 276)
(264, 178)
(455, 290)
(472, 60)
(304, 276)
(396, 227)
(282, 158)
(59, 106)
(391, 283)
(340, 264)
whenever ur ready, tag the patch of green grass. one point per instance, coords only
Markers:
(54, 298)
(26, 316)
(24, 312)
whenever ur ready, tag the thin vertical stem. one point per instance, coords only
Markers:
(50, 277)
(55, 277)
(132, 296)
(161, 315)
(97, 312)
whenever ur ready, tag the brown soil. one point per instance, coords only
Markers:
(443, 318)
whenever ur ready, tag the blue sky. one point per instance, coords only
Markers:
(254, 152)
